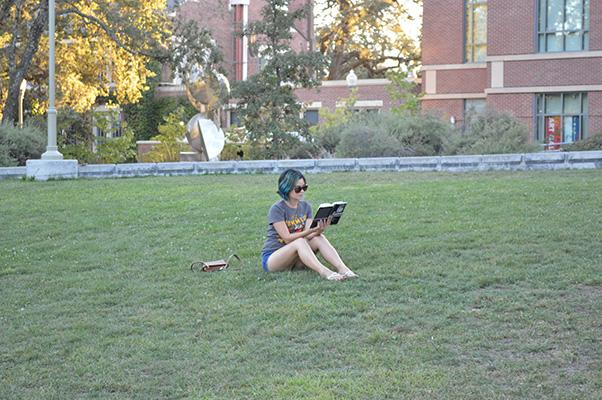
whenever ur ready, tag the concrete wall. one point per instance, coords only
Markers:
(503, 162)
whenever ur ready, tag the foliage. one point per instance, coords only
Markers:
(472, 286)
(80, 152)
(117, 150)
(406, 93)
(145, 116)
(17, 145)
(268, 107)
(490, 132)
(327, 134)
(74, 127)
(594, 142)
(236, 151)
(367, 36)
(388, 134)
(367, 136)
(123, 36)
(419, 134)
(170, 135)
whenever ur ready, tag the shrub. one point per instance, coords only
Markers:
(327, 134)
(420, 134)
(388, 135)
(304, 150)
(235, 151)
(17, 145)
(171, 132)
(366, 135)
(117, 150)
(594, 142)
(80, 152)
(490, 132)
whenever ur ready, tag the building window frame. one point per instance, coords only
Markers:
(471, 42)
(313, 111)
(567, 35)
(555, 120)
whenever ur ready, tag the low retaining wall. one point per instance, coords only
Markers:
(507, 162)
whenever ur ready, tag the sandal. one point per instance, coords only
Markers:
(335, 276)
(350, 274)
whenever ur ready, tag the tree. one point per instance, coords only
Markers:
(368, 36)
(268, 107)
(102, 48)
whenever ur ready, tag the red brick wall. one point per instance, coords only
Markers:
(584, 71)
(519, 105)
(217, 17)
(446, 108)
(595, 112)
(443, 32)
(329, 95)
(511, 27)
(461, 81)
(595, 15)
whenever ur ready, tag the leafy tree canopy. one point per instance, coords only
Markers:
(368, 36)
(268, 107)
(102, 49)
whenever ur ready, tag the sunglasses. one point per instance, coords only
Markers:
(298, 189)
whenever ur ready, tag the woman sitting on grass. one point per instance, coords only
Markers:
(290, 241)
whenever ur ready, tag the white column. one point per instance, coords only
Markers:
(52, 152)
(52, 165)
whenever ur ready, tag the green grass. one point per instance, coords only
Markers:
(473, 286)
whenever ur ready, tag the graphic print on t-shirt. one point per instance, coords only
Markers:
(296, 224)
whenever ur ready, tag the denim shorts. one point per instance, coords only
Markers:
(264, 259)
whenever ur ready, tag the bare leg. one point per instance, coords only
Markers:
(287, 256)
(321, 244)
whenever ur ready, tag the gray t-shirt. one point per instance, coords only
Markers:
(294, 218)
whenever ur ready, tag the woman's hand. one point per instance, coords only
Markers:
(318, 230)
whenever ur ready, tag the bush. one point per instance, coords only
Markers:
(366, 135)
(18, 145)
(171, 131)
(392, 135)
(420, 134)
(79, 152)
(117, 150)
(594, 142)
(490, 132)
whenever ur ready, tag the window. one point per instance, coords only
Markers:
(473, 107)
(312, 117)
(234, 118)
(561, 119)
(106, 122)
(476, 31)
(563, 25)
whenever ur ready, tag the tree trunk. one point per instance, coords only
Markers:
(10, 111)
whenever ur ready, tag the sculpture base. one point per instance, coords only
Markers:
(42, 170)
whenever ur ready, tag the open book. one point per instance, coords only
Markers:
(326, 210)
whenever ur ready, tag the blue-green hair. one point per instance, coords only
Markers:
(287, 181)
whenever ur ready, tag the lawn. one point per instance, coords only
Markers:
(473, 286)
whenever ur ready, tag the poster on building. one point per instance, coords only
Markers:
(571, 129)
(553, 137)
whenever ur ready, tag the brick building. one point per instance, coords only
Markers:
(224, 18)
(540, 60)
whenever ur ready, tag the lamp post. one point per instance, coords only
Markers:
(22, 89)
(52, 152)
(51, 164)
(351, 79)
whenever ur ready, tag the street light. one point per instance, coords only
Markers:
(351, 79)
(52, 152)
(22, 89)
